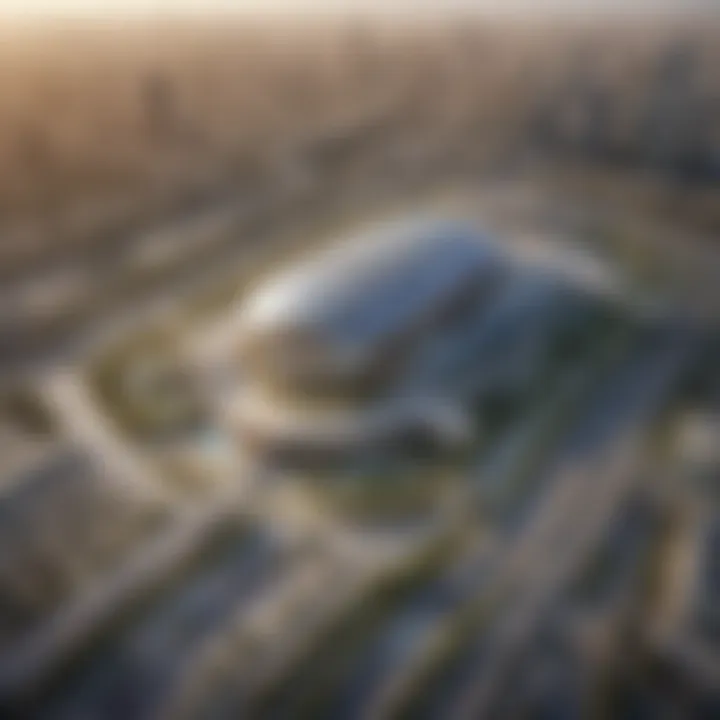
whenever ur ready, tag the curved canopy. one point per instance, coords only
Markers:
(357, 294)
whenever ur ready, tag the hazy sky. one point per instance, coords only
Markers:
(84, 7)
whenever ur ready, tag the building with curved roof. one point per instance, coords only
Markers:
(390, 336)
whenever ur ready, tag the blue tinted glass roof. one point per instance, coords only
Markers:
(374, 284)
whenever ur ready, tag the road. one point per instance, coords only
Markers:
(128, 676)
(82, 423)
(576, 512)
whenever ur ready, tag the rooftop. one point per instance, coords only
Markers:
(368, 286)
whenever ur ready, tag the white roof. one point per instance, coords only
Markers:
(373, 284)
